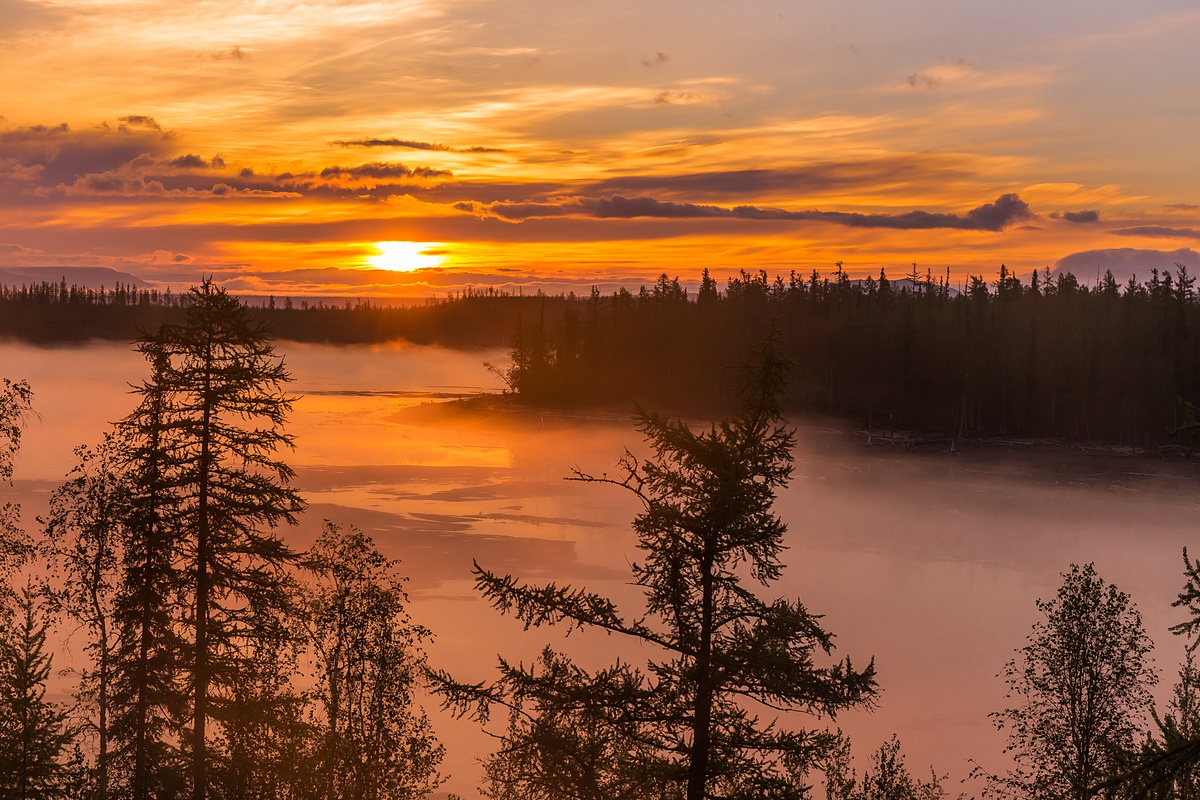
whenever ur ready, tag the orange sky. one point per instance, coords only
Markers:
(409, 148)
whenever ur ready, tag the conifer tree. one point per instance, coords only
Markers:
(218, 427)
(707, 522)
(148, 665)
(33, 731)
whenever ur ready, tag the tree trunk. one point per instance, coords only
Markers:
(702, 722)
(200, 709)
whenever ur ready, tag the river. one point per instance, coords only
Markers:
(929, 562)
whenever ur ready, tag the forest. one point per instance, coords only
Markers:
(1045, 358)
(222, 663)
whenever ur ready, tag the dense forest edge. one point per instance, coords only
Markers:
(1048, 358)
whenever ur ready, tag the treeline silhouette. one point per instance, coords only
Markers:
(1048, 357)
(56, 312)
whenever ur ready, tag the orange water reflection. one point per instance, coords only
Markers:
(929, 563)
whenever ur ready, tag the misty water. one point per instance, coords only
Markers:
(929, 562)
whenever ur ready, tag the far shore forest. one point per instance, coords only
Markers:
(214, 661)
(1044, 357)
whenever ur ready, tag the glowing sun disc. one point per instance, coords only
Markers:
(406, 256)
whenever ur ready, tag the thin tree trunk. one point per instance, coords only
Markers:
(141, 734)
(102, 689)
(102, 722)
(141, 761)
(200, 708)
(702, 722)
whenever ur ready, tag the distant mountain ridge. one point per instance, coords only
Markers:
(88, 277)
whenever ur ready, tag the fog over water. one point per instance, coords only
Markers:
(929, 562)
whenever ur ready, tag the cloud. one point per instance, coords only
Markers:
(169, 257)
(190, 161)
(139, 121)
(819, 177)
(1182, 206)
(9, 249)
(675, 98)
(18, 15)
(1158, 231)
(232, 54)
(408, 144)
(34, 133)
(659, 59)
(1125, 262)
(135, 161)
(1085, 216)
(378, 169)
(60, 155)
(919, 80)
(992, 216)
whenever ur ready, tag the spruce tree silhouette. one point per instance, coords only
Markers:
(684, 727)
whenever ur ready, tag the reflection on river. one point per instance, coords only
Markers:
(931, 563)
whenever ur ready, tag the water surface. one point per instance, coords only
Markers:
(928, 562)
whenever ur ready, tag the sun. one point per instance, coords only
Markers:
(407, 256)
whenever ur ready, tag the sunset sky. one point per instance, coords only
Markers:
(412, 148)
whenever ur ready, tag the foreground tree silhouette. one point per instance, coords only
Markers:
(371, 740)
(33, 731)
(886, 778)
(15, 545)
(1169, 763)
(686, 726)
(218, 406)
(83, 533)
(1081, 690)
(149, 695)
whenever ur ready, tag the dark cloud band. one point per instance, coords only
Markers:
(408, 144)
(994, 216)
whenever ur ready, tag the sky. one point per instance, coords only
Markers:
(410, 149)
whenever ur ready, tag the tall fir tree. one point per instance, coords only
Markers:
(218, 430)
(149, 705)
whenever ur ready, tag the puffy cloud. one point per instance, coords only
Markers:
(189, 161)
(994, 216)
(61, 155)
